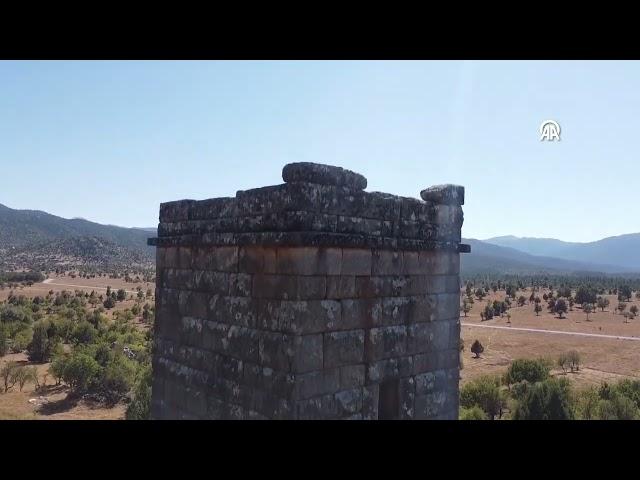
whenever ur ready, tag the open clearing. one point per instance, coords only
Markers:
(607, 343)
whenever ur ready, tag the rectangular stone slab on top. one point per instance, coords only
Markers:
(319, 205)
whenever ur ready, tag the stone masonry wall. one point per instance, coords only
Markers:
(309, 300)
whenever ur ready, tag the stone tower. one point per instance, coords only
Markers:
(312, 299)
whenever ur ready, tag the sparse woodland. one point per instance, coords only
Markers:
(540, 388)
(94, 353)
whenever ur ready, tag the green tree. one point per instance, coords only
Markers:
(585, 294)
(84, 333)
(573, 359)
(118, 377)
(484, 392)
(547, 400)
(9, 375)
(560, 307)
(624, 293)
(477, 348)
(121, 296)
(602, 303)
(44, 342)
(140, 406)
(80, 371)
(466, 307)
(57, 368)
(526, 369)
(563, 362)
(617, 407)
(109, 303)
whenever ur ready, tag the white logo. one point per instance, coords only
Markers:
(549, 131)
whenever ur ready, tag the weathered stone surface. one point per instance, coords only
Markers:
(446, 194)
(308, 353)
(386, 342)
(343, 348)
(311, 299)
(323, 174)
(341, 286)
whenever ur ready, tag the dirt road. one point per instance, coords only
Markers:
(50, 281)
(560, 332)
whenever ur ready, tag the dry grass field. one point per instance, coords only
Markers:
(603, 358)
(51, 403)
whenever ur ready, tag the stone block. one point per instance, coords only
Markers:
(387, 262)
(352, 376)
(343, 348)
(341, 286)
(308, 354)
(311, 288)
(358, 313)
(320, 382)
(283, 287)
(308, 261)
(348, 402)
(386, 342)
(356, 261)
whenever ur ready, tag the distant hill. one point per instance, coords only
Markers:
(32, 235)
(489, 258)
(622, 251)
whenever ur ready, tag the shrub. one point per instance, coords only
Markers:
(9, 375)
(560, 307)
(21, 340)
(484, 392)
(587, 404)
(4, 340)
(140, 406)
(563, 362)
(42, 345)
(529, 370)
(547, 400)
(473, 413)
(56, 369)
(477, 348)
(84, 333)
(618, 407)
(80, 371)
(118, 377)
(573, 359)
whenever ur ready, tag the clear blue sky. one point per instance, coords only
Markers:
(109, 141)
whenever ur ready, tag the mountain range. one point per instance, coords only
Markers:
(622, 251)
(36, 239)
(510, 254)
(32, 238)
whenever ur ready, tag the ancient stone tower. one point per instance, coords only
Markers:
(312, 299)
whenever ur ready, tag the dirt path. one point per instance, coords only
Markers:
(537, 330)
(50, 281)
